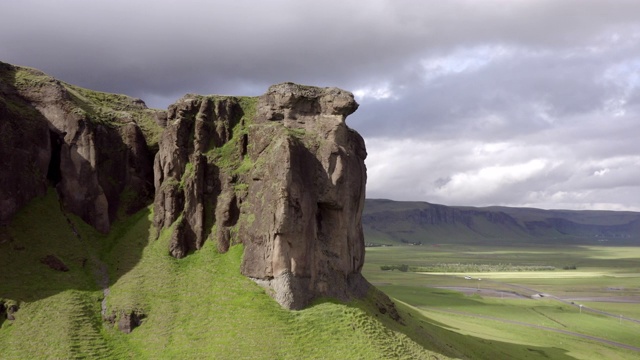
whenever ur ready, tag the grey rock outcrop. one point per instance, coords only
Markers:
(130, 320)
(88, 144)
(24, 149)
(194, 181)
(284, 176)
(306, 240)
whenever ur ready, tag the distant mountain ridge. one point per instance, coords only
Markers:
(397, 222)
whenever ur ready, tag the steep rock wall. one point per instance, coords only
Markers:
(285, 177)
(307, 192)
(25, 148)
(194, 177)
(282, 173)
(73, 139)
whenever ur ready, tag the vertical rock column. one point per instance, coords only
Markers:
(191, 188)
(306, 195)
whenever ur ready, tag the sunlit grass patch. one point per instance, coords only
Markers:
(558, 274)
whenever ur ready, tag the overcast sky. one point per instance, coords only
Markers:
(462, 102)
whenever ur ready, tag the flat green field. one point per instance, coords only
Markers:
(530, 308)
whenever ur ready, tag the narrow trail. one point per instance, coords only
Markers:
(566, 332)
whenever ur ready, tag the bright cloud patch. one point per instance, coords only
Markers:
(468, 172)
(372, 92)
(469, 103)
(487, 180)
(601, 172)
(463, 60)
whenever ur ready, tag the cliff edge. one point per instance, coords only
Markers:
(282, 174)
(89, 145)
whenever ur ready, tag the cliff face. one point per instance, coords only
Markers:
(25, 148)
(420, 222)
(307, 192)
(196, 171)
(281, 173)
(285, 176)
(88, 145)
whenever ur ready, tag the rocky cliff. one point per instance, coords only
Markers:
(282, 174)
(307, 190)
(421, 222)
(89, 145)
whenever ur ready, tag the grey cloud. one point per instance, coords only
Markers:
(553, 80)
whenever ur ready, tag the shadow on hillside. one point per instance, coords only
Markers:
(441, 338)
(93, 260)
(3, 315)
(446, 339)
(44, 227)
(438, 337)
(127, 242)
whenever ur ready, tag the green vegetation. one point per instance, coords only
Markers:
(189, 172)
(196, 307)
(471, 268)
(115, 110)
(496, 307)
(403, 267)
(229, 156)
(202, 305)
(31, 78)
(297, 133)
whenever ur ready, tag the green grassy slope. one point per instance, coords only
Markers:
(197, 307)
(489, 322)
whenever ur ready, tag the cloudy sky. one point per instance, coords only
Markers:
(462, 102)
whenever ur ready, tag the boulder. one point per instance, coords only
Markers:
(130, 320)
(54, 263)
(11, 310)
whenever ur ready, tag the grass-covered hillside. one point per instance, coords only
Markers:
(412, 222)
(520, 301)
(193, 308)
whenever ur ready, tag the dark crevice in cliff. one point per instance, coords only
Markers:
(54, 174)
(244, 144)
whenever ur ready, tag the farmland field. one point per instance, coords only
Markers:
(526, 308)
